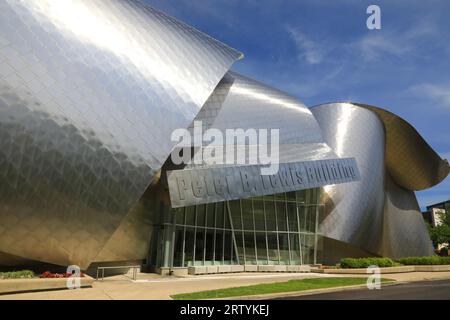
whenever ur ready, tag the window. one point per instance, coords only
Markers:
(235, 209)
(199, 246)
(258, 212)
(284, 248)
(201, 215)
(209, 251)
(219, 215)
(281, 215)
(189, 247)
(210, 215)
(178, 247)
(272, 242)
(190, 216)
(292, 216)
(271, 219)
(261, 248)
(247, 214)
(276, 229)
(250, 253)
(218, 254)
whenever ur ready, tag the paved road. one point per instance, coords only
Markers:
(423, 290)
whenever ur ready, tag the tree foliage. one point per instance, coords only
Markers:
(441, 234)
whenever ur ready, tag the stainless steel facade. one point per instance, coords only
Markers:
(378, 214)
(404, 230)
(242, 103)
(410, 160)
(353, 212)
(90, 92)
(239, 102)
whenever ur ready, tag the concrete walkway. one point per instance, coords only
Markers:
(152, 286)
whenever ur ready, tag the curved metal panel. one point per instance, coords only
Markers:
(376, 214)
(131, 240)
(90, 92)
(354, 211)
(404, 233)
(410, 160)
(240, 103)
(7, 260)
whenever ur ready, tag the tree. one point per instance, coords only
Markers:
(446, 217)
(441, 234)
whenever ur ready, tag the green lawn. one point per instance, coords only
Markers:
(288, 286)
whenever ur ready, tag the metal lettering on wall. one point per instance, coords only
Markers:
(214, 184)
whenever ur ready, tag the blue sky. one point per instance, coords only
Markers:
(321, 51)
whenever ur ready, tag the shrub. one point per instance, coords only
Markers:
(23, 274)
(353, 263)
(443, 252)
(431, 260)
(48, 274)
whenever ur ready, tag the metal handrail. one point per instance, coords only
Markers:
(118, 267)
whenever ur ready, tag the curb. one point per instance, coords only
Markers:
(389, 270)
(16, 286)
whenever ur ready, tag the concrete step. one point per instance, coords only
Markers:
(247, 268)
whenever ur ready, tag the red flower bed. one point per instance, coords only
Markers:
(48, 274)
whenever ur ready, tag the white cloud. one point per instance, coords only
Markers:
(308, 49)
(438, 92)
(376, 44)
(373, 46)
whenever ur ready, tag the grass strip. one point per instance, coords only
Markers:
(276, 287)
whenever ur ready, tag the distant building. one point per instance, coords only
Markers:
(435, 215)
(441, 205)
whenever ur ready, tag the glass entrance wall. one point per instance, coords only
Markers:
(275, 229)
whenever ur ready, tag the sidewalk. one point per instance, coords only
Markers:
(152, 286)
